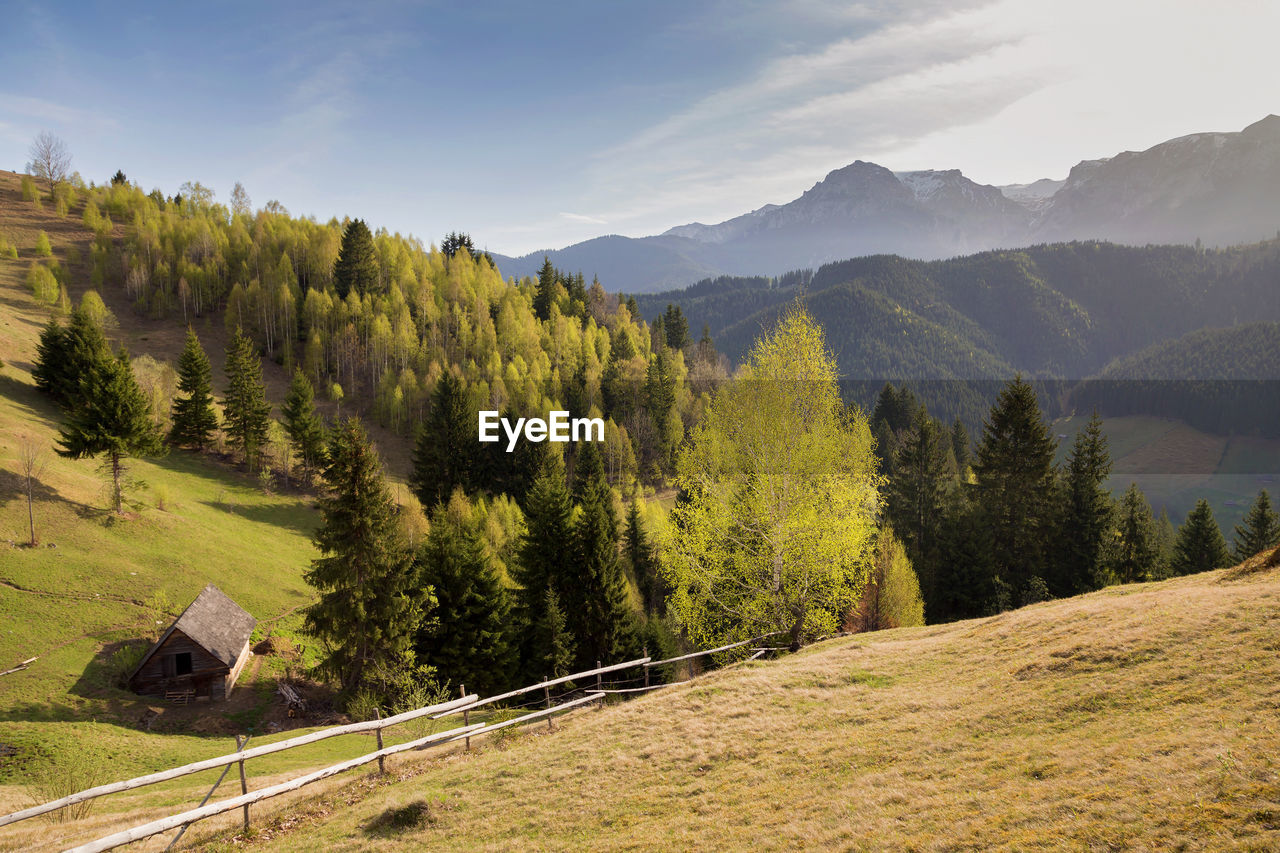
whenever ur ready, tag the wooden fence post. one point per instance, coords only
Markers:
(646, 667)
(382, 767)
(244, 785)
(466, 715)
(547, 692)
(599, 685)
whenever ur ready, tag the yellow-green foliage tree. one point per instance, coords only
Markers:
(892, 597)
(776, 522)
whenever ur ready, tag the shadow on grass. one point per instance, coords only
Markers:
(287, 515)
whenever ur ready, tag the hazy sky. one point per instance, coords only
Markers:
(535, 125)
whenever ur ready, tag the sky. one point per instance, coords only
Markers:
(534, 126)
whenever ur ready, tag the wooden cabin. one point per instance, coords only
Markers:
(201, 654)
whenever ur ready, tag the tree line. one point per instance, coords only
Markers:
(1000, 525)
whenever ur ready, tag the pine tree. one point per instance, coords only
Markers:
(552, 647)
(596, 597)
(1015, 486)
(64, 356)
(545, 295)
(917, 491)
(1087, 516)
(245, 408)
(193, 415)
(644, 566)
(1200, 546)
(676, 327)
(306, 430)
(368, 610)
(1135, 557)
(540, 567)
(356, 269)
(446, 451)
(469, 643)
(1260, 530)
(111, 416)
(960, 445)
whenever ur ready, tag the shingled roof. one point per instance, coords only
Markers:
(219, 625)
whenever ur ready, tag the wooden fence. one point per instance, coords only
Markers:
(463, 705)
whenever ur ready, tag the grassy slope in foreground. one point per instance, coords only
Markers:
(1142, 717)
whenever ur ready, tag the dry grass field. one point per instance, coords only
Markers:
(1144, 717)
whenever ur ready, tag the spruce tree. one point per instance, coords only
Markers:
(369, 607)
(111, 416)
(1087, 514)
(356, 269)
(469, 642)
(193, 415)
(1015, 486)
(917, 491)
(552, 647)
(545, 294)
(306, 430)
(644, 566)
(596, 597)
(676, 327)
(1135, 556)
(65, 355)
(245, 408)
(960, 445)
(541, 565)
(446, 451)
(1259, 531)
(1200, 546)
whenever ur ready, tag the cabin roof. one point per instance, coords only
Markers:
(214, 622)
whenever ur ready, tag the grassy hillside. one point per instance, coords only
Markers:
(96, 582)
(1139, 717)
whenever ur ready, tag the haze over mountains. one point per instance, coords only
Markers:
(1219, 188)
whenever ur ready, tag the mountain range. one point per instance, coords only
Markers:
(1216, 188)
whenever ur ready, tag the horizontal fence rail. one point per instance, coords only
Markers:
(543, 685)
(233, 758)
(652, 664)
(147, 830)
(156, 827)
(463, 705)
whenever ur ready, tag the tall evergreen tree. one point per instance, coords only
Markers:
(469, 643)
(552, 649)
(306, 430)
(111, 416)
(676, 327)
(960, 445)
(356, 268)
(596, 599)
(1260, 529)
(194, 418)
(455, 242)
(369, 607)
(545, 294)
(65, 355)
(1135, 555)
(541, 565)
(1200, 546)
(245, 407)
(1086, 518)
(644, 565)
(1015, 486)
(917, 492)
(446, 451)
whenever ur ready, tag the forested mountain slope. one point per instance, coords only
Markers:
(1060, 310)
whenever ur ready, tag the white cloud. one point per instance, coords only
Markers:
(1010, 91)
